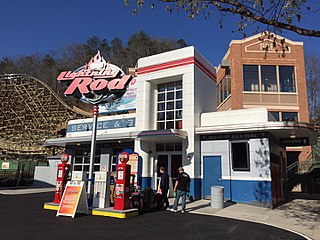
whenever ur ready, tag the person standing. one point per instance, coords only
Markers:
(181, 188)
(164, 186)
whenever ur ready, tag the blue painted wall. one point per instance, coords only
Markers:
(247, 191)
(145, 182)
(195, 188)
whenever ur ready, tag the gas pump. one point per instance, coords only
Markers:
(101, 191)
(62, 177)
(122, 188)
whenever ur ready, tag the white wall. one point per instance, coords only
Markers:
(218, 148)
(44, 175)
(256, 115)
(259, 159)
(198, 96)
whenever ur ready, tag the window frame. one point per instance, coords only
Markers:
(240, 169)
(277, 75)
(243, 76)
(296, 117)
(293, 80)
(171, 119)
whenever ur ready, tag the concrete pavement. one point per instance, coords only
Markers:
(300, 215)
(25, 190)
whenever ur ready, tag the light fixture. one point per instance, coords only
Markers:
(190, 156)
(293, 135)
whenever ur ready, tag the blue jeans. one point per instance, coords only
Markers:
(181, 194)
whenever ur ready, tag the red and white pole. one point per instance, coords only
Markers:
(95, 114)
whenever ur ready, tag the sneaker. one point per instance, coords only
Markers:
(183, 211)
(173, 210)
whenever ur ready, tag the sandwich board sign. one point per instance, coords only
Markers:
(74, 200)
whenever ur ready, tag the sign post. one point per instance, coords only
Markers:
(92, 152)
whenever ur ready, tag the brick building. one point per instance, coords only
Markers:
(249, 77)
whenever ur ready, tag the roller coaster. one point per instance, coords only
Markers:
(30, 113)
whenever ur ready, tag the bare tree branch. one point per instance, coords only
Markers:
(279, 14)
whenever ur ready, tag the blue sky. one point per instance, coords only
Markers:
(41, 26)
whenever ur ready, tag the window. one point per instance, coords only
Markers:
(269, 78)
(224, 89)
(169, 105)
(240, 156)
(286, 77)
(81, 161)
(276, 115)
(165, 147)
(290, 116)
(250, 78)
(285, 116)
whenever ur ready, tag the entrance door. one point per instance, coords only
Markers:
(176, 162)
(211, 174)
(171, 162)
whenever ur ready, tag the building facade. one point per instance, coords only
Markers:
(176, 123)
(249, 77)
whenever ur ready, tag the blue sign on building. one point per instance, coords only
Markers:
(102, 125)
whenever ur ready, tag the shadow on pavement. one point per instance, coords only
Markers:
(305, 208)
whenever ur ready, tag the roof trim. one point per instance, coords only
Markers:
(81, 139)
(161, 133)
(259, 35)
(177, 63)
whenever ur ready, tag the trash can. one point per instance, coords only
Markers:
(217, 197)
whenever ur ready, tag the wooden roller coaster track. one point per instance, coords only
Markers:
(30, 113)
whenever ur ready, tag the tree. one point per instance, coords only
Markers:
(49, 71)
(29, 65)
(95, 44)
(277, 15)
(118, 52)
(7, 65)
(313, 86)
(141, 45)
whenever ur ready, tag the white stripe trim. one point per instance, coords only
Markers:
(245, 178)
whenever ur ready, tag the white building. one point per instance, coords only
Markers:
(175, 124)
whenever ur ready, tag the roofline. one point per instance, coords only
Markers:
(259, 35)
(298, 43)
(177, 63)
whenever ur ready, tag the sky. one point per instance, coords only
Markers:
(29, 26)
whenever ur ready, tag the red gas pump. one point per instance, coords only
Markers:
(62, 177)
(122, 188)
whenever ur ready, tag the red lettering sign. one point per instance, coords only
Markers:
(96, 78)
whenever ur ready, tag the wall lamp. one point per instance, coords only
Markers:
(293, 135)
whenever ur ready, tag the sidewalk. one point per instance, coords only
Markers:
(25, 190)
(300, 215)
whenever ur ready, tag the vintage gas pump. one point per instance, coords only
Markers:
(122, 188)
(101, 191)
(62, 177)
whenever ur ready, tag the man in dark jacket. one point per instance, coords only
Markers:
(181, 188)
(164, 186)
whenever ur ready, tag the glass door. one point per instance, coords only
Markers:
(171, 162)
(162, 161)
(176, 162)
